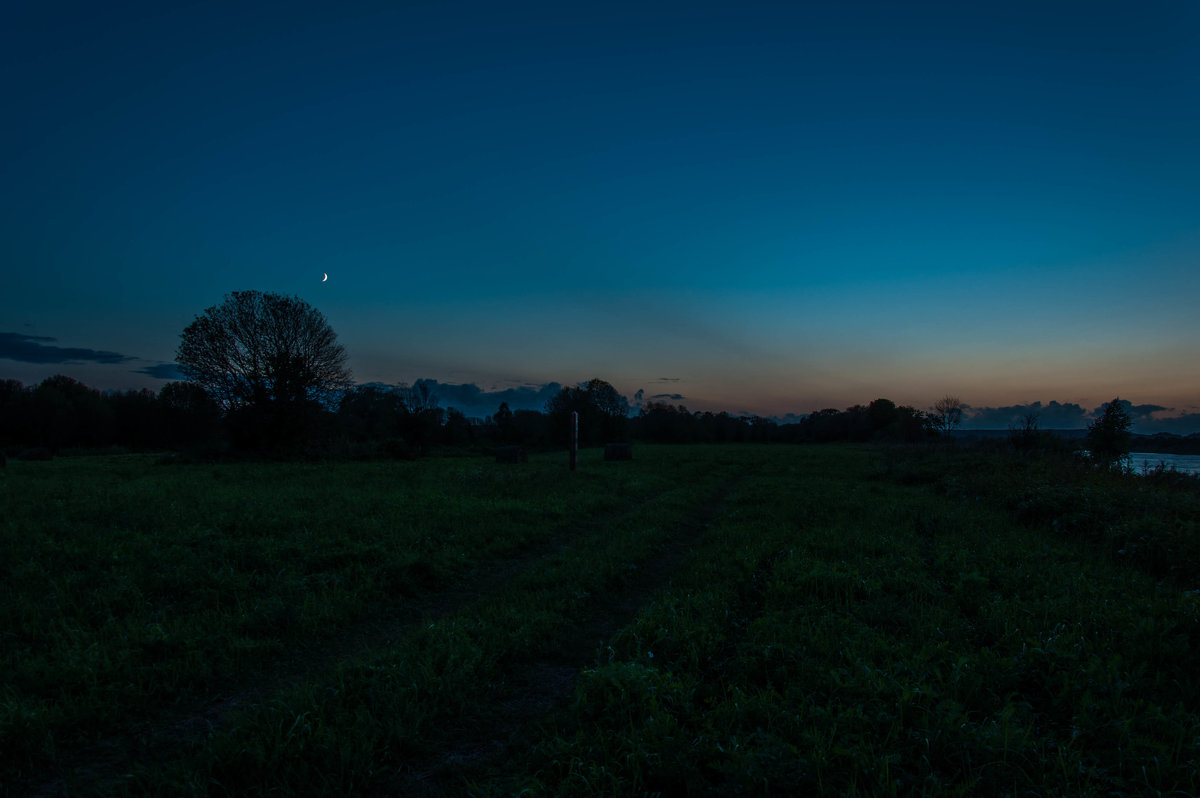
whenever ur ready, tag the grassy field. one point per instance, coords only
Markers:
(703, 620)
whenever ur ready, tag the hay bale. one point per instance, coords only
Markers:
(618, 451)
(38, 453)
(511, 454)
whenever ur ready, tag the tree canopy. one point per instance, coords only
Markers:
(947, 413)
(603, 413)
(1108, 437)
(257, 349)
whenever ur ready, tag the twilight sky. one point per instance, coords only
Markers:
(761, 207)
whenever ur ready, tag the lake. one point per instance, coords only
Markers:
(1184, 463)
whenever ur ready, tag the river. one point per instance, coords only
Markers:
(1184, 463)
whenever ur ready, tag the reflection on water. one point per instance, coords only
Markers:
(1184, 463)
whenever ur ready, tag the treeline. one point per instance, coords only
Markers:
(881, 420)
(1167, 443)
(61, 413)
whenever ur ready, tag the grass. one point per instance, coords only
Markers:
(702, 620)
(865, 638)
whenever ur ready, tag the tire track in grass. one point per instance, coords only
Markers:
(475, 742)
(178, 727)
(731, 580)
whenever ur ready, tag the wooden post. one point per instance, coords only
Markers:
(574, 438)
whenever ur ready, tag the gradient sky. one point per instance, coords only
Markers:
(761, 207)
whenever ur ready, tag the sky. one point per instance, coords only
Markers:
(765, 208)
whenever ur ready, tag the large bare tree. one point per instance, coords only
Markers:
(948, 413)
(258, 349)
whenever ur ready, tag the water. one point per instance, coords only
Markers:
(1184, 463)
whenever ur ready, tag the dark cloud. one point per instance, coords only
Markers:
(788, 418)
(1058, 415)
(1146, 423)
(162, 371)
(641, 396)
(668, 379)
(1054, 415)
(1138, 413)
(29, 349)
(1184, 424)
(474, 401)
(461, 396)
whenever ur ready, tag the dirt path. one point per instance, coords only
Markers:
(171, 733)
(486, 734)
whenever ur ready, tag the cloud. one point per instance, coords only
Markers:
(162, 371)
(1054, 415)
(1184, 424)
(788, 418)
(1147, 418)
(28, 349)
(672, 396)
(474, 401)
(1138, 413)
(668, 379)
(637, 397)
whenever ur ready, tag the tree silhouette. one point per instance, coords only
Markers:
(192, 417)
(504, 423)
(68, 413)
(366, 412)
(881, 414)
(606, 399)
(603, 413)
(16, 422)
(423, 418)
(257, 348)
(947, 413)
(1108, 437)
(268, 360)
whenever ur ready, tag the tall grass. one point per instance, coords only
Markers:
(844, 621)
(844, 636)
(130, 586)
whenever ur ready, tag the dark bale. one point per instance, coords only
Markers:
(511, 454)
(39, 453)
(618, 451)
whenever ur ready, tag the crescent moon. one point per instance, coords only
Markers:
(324, 276)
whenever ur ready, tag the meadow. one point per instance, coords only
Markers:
(702, 620)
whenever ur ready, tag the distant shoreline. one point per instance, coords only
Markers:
(1158, 443)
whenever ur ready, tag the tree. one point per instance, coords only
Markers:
(504, 423)
(913, 425)
(16, 422)
(257, 349)
(606, 399)
(368, 412)
(66, 412)
(663, 423)
(192, 417)
(603, 413)
(138, 417)
(1108, 437)
(881, 414)
(270, 361)
(423, 418)
(948, 413)
(456, 431)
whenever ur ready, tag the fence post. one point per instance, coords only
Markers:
(574, 438)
